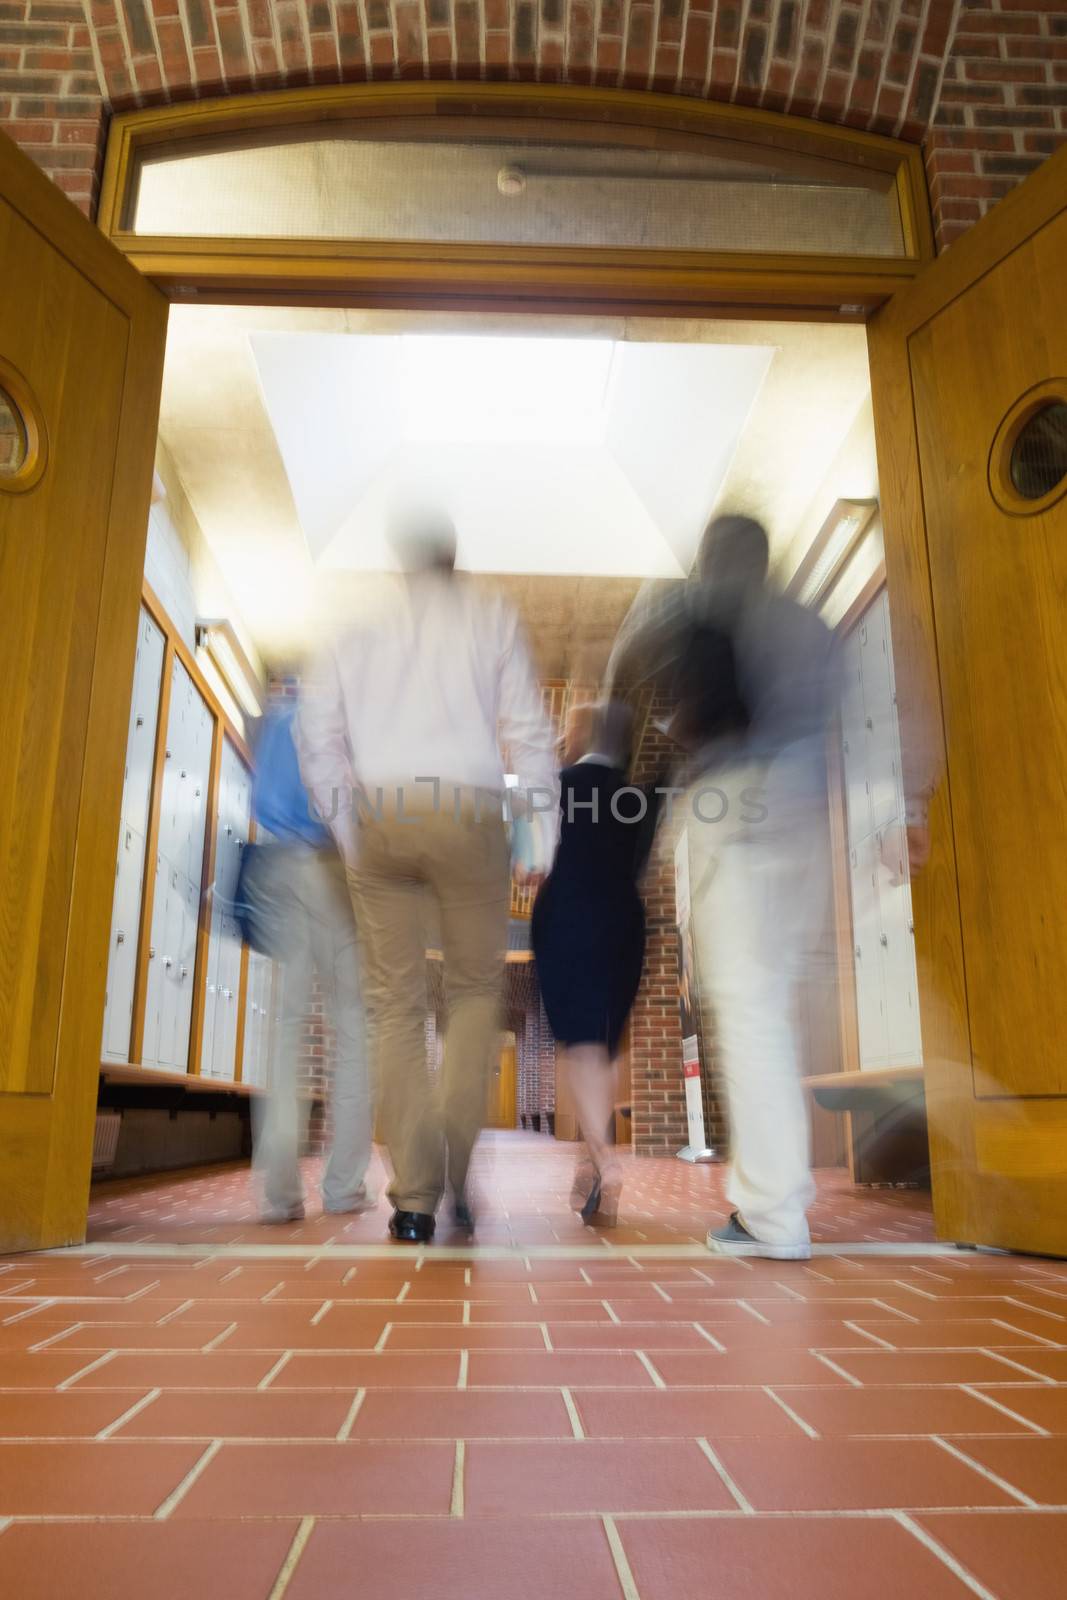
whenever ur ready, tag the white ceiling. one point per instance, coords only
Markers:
(567, 456)
(566, 448)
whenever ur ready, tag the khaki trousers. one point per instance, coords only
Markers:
(430, 1128)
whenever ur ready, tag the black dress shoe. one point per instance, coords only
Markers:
(411, 1227)
(463, 1216)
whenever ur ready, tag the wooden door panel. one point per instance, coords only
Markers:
(978, 600)
(1000, 597)
(84, 334)
(46, 653)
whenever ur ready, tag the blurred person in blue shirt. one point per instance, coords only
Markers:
(298, 910)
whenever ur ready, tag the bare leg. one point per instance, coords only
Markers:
(592, 1077)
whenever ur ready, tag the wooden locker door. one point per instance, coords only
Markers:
(969, 373)
(81, 353)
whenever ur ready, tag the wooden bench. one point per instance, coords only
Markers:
(886, 1108)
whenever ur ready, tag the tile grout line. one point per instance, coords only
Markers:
(650, 1369)
(1048, 1344)
(31, 1311)
(129, 1414)
(710, 1337)
(283, 1360)
(794, 1416)
(344, 1432)
(993, 1477)
(161, 1322)
(618, 1555)
(572, 1412)
(747, 1306)
(219, 1338)
(1033, 1427)
(874, 1337)
(84, 1371)
(295, 1551)
(57, 1338)
(456, 1505)
(1039, 1311)
(321, 1312)
(937, 1549)
(894, 1311)
(382, 1338)
(1038, 1377)
(176, 1496)
(705, 1447)
(856, 1383)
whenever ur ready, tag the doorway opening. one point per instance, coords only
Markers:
(581, 457)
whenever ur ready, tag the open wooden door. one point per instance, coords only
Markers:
(81, 355)
(969, 372)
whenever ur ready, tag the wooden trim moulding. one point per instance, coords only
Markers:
(515, 277)
(148, 891)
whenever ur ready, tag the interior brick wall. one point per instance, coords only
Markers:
(657, 1089)
(1002, 108)
(981, 81)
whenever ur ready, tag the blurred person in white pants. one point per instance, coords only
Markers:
(756, 815)
(297, 902)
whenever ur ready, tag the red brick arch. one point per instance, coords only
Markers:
(984, 82)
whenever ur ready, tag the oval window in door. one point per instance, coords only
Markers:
(22, 434)
(1028, 460)
(1039, 455)
(13, 448)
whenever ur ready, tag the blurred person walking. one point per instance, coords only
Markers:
(295, 904)
(756, 815)
(589, 932)
(401, 745)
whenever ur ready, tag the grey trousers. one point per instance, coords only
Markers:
(314, 932)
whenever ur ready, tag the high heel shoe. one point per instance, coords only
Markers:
(585, 1181)
(605, 1214)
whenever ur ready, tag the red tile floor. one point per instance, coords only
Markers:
(196, 1406)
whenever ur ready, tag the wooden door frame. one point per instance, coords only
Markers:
(564, 279)
(935, 890)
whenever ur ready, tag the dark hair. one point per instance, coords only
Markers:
(734, 546)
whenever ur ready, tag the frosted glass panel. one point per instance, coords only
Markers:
(491, 192)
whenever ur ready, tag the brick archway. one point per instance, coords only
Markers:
(982, 82)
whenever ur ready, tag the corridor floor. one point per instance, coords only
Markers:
(196, 1406)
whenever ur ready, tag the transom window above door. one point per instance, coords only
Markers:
(432, 195)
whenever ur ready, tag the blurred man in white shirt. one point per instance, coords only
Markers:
(401, 737)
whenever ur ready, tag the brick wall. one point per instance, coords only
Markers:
(657, 1090)
(983, 79)
(1003, 105)
(50, 98)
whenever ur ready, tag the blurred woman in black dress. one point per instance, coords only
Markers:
(589, 931)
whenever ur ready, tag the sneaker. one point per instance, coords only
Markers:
(362, 1200)
(273, 1214)
(735, 1240)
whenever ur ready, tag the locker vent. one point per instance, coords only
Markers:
(106, 1139)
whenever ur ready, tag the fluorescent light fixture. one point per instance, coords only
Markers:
(217, 637)
(831, 550)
